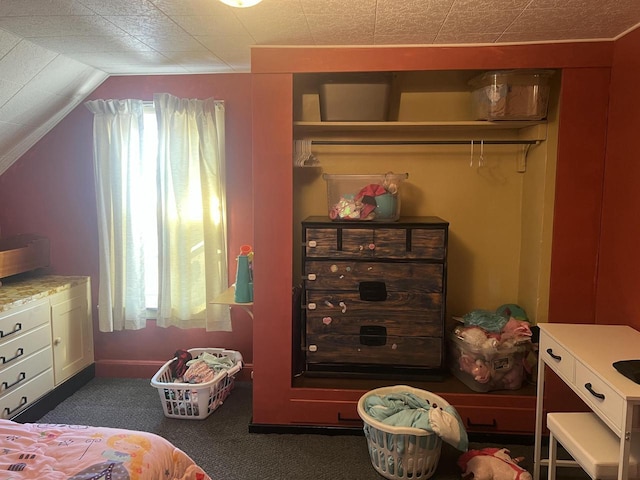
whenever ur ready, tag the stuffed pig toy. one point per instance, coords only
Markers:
(491, 464)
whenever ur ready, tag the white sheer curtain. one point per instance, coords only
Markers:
(117, 156)
(192, 246)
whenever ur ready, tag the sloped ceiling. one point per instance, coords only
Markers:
(53, 53)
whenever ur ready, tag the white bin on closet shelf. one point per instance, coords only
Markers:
(196, 401)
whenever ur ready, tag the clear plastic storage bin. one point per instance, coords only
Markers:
(487, 369)
(364, 197)
(511, 95)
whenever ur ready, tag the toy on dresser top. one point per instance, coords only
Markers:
(487, 349)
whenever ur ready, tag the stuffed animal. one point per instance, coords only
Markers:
(491, 464)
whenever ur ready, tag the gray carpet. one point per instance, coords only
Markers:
(222, 445)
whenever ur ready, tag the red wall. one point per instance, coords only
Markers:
(619, 262)
(50, 191)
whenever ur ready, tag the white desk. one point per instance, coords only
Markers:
(228, 298)
(582, 356)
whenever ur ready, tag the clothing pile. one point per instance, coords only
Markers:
(203, 368)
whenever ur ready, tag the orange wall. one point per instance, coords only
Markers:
(619, 262)
(50, 191)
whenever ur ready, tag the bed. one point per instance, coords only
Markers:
(75, 452)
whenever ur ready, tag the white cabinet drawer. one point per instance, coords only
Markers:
(21, 319)
(24, 370)
(599, 396)
(24, 345)
(557, 357)
(13, 402)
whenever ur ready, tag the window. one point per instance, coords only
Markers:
(160, 193)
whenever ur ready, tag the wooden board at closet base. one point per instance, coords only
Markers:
(331, 402)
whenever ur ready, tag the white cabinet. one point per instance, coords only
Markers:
(72, 331)
(46, 336)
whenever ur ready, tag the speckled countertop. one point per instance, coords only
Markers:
(18, 291)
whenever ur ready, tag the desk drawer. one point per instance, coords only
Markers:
(600, 397)
(13, 402)
(21, 347)
(24, 370)
(22, 319)
(557, 357)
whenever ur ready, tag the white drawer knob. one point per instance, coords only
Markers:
(311, 276)
(57, 341)
(313, 348)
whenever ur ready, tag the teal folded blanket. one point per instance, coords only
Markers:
(405, 409)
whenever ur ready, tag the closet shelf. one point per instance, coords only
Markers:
(458, 131)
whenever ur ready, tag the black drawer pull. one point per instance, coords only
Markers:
(16, 329)
(553, 355)
(589, 387)
(18, 355)
(373, 291)
(373, 335)
(8, 412)
(21, 377)
(493, 424)
(345, 419)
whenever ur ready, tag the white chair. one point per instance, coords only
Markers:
(592, 445)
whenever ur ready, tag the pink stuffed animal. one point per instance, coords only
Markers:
(491, 464)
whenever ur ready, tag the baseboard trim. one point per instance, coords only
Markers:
(49, 401)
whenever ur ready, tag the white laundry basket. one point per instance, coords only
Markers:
(401, 452)
(196, 401)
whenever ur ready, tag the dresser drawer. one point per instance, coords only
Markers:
(402, 313)
(19, 373)
(599, 396)
(379, 243)
(395, 277)
(374, 349)
(16, 349)
(22, 319)
(557, 357)
(15, 401)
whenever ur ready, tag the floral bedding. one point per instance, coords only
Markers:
(75, 452)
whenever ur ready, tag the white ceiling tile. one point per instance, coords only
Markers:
(57, 25)
(338, 28)
(141, 25)
(122, 43)
(224, 43)
(173, 43)
(405, 39)
(491, 5)
(7, 90)
(7, 42)
(145, 70)
(24, 61)
(22, 8)
(10, 134)
(107, 60)
(468, 38)
(193, 7)
(32, 107)
(211, 25)
(480, 21)
(66, 77)
(121, 7)
(352, 8)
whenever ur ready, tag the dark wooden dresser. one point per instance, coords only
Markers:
(374, 296)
